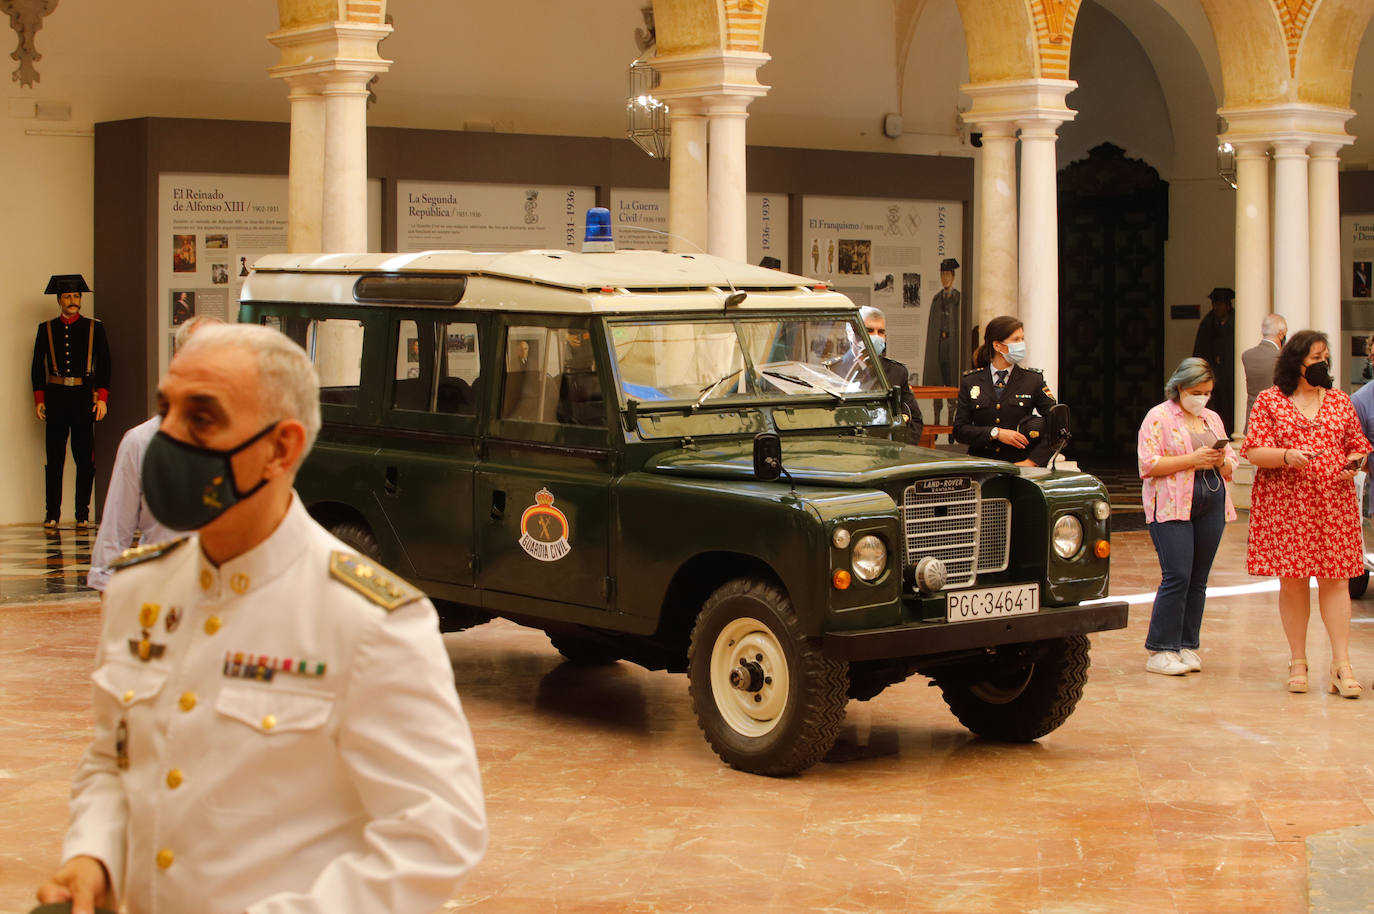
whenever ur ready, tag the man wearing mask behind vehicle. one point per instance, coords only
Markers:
(276, 727)
(897, 375)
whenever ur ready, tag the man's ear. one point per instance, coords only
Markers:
(288, 447)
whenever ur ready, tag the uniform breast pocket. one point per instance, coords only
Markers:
(272, 711)
(129, 684)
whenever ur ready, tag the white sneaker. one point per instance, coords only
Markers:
(1191, 660)
(1166, 663)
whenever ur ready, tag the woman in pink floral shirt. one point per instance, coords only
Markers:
(1187, 506)
(1306, 443)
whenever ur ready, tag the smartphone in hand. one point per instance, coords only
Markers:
(1220, 444)
(1353, 464)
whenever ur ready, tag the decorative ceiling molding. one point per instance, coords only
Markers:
(26, 18)
(645, 37)
(1294, 15)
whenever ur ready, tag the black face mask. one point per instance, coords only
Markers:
(188, 486)
(1318, 374)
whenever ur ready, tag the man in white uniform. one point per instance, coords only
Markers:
(276, 726)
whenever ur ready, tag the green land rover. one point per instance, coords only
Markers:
(689, 464)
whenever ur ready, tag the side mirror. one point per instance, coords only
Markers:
(767, 456)
(1059, 429)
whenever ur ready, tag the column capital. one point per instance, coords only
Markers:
(706, 73)
(329, 47)
(1289, 122)
(1017, 100)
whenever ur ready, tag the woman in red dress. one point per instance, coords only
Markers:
(1306, 444)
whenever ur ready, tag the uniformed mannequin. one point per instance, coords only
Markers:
(1216, 342)
(276, 725)
(71, 381)
(990, 413)
(875, 322)
(942, 334)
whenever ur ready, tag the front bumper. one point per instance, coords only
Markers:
(944, 637)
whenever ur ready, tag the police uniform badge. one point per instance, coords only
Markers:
(974, 391)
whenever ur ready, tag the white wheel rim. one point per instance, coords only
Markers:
(748, 648)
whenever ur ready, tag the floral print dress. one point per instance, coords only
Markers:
(1304, 522)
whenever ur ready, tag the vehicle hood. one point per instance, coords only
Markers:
(845, 462)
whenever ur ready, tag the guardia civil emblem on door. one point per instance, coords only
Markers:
(544, 529)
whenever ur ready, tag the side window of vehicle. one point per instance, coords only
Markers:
(438, 367)
(335, 346)
(550, 376)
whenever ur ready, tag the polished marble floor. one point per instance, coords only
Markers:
(1159, 794)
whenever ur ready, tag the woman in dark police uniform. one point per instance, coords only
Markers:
(997, 400)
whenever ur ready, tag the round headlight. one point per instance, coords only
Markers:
(840, 537)
(1068, 536)
(1101, 510)
(869, 557)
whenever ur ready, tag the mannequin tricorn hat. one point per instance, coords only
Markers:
(1222, 294)
(949, 265)
(66, 282)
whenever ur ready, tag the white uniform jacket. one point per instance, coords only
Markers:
(281, 733)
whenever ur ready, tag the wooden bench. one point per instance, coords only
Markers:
(930, 432)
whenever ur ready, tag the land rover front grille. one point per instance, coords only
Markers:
(949, 519)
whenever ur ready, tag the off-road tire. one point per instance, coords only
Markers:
(793, 718)
(357, 537)
(1022, 704)
(583, 651)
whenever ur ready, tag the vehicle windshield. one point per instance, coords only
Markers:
(708, 361)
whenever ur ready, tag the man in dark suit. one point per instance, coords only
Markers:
(1216, 342)
(1259, 360)
(897, 375)
(71, 381)
(942, 335)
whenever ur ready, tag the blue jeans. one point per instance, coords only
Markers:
(1186, 549)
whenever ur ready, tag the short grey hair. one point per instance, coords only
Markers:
(1191, 372)
(868, 313)
(1273, 325)
(287, 383)
(199, 322)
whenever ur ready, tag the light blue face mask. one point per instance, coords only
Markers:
(879, 343)
(1016, 352)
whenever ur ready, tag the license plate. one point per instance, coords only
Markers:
(1012, 600)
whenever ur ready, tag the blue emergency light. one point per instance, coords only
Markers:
(598, 238)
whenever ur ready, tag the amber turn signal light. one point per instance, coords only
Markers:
(1102, 549)
(840, 579)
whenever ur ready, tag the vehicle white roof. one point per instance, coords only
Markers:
(538, 280)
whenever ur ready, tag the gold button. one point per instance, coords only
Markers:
(128, 696)
(165, 857)
(212, 625)
(269, 722)
(174, 778)
(188, 700)
(239, 583)
(206, 579)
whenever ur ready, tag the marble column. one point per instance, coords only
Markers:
(687, 178)
(995, 280)
(1252, 255)
(305, 181)
(1039, 245)
(727, 229)
(344, 213)
(1324, 238)
(1292, 289)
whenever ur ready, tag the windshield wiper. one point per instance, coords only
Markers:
(802, 381)
(710, 388)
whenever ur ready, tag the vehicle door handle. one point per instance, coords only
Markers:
(390, 484)
(498, 504)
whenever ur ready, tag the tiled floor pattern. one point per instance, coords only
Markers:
(36, 564)
(1159, 794)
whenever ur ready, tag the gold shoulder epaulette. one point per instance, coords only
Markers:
(372, 581)
(970, 371)
(139, 554)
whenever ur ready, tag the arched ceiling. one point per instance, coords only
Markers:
(1324, 63)
(1001, 40)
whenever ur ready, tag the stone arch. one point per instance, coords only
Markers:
(1001, 40)
(1253, 49)
(1323, 62)
(1054, 20)
(744, 21)
(299, 13)
(686, 26)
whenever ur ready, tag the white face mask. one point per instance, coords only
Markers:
(1194, 403)
(1016, 352)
